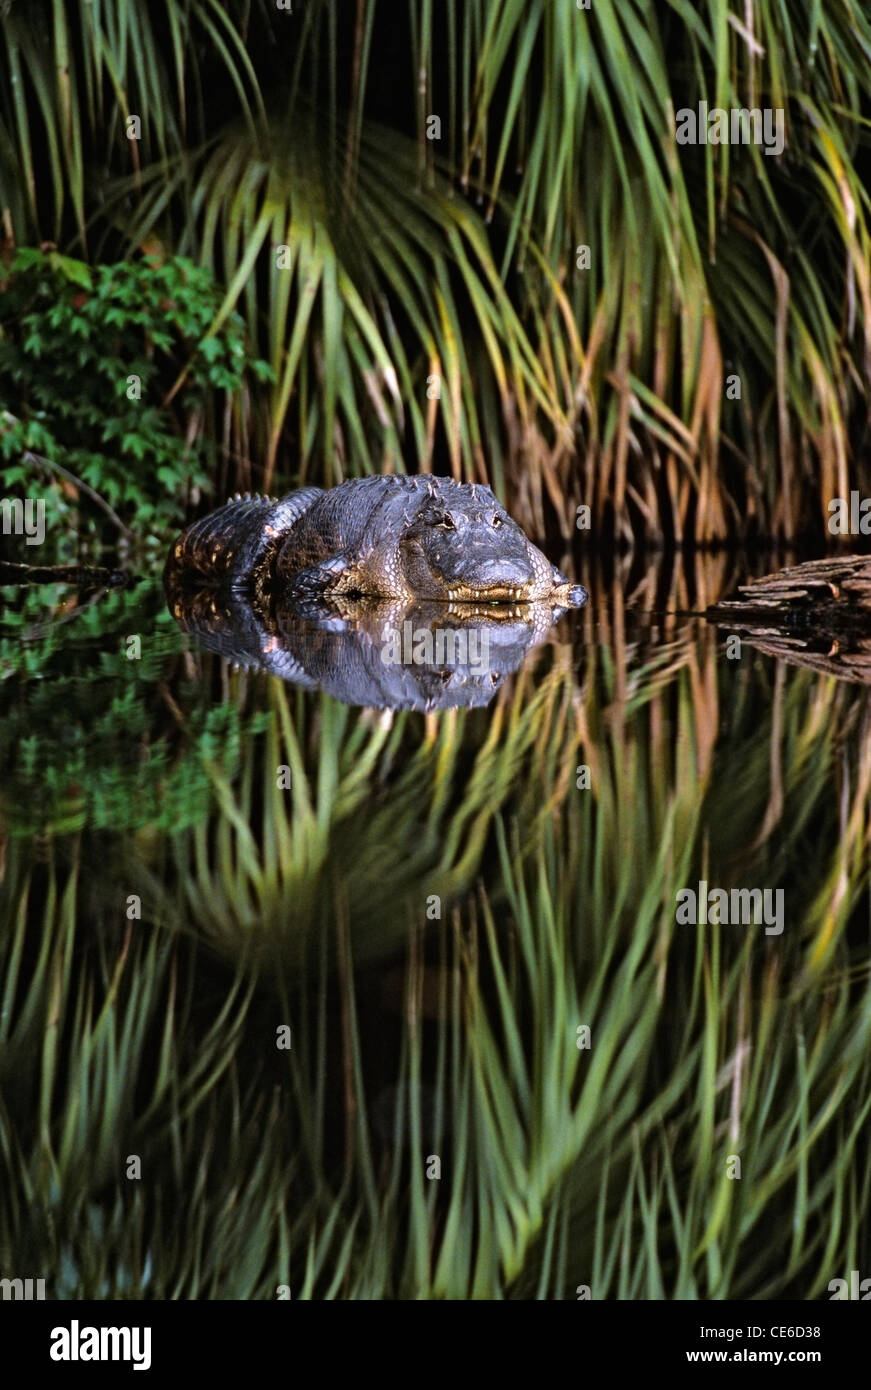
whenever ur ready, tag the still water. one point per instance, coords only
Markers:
(372, 953)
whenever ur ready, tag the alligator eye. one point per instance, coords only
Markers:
(447, 521)
(497, 521)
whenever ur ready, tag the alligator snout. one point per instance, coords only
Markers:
(502, 572)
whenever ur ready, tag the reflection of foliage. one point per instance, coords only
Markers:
(560, 1167)
(84, 737)
(72, 337)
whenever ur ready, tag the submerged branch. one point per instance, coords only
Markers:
(88, 491)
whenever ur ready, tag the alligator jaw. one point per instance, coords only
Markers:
(498, 593)
(566, 595)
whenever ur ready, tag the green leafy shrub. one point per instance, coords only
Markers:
(110, 372)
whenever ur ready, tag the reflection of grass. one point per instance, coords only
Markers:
(389, 819)
(560, 1167)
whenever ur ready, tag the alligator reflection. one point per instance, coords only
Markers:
(382, 653)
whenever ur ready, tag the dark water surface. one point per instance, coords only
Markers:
(375, 969)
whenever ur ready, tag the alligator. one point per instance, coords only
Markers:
(396, 537)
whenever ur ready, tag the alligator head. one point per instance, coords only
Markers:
(461, 545)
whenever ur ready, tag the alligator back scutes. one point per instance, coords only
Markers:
(234, 542)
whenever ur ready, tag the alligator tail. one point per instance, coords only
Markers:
(234, 544)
